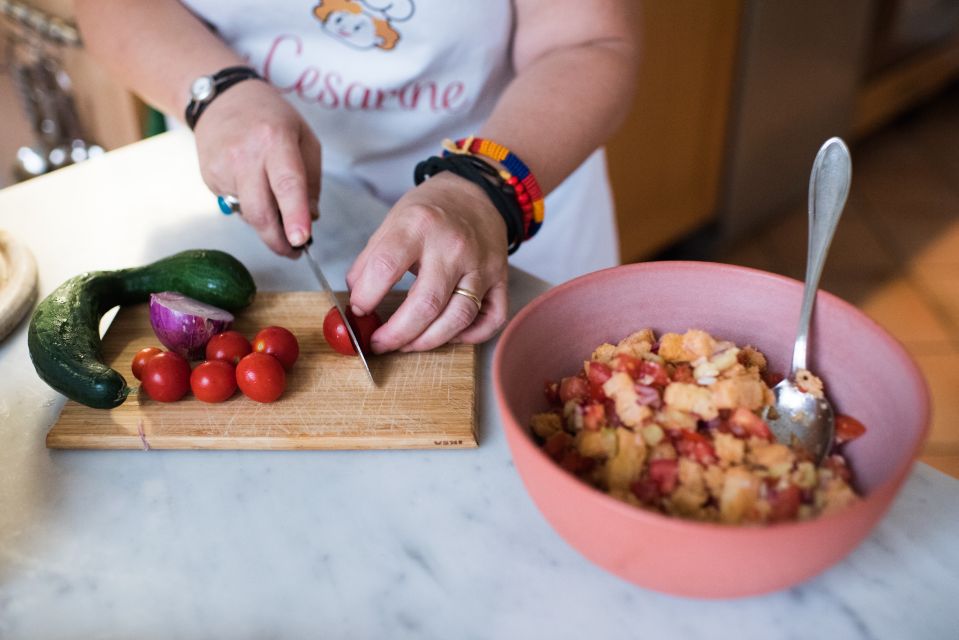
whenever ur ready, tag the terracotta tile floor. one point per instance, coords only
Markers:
(896, 251)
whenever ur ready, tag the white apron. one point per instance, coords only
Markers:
(383, 82)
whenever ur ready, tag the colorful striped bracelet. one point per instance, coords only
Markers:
(529, 196)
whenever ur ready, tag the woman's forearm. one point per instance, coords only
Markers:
(573, 85)
(154, 47)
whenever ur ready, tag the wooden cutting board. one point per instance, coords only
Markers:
(422, 400)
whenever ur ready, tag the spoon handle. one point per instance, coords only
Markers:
(828, 189)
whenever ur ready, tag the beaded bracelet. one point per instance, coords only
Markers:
(529, 196)
(479, 172)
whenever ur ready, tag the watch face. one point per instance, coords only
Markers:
(202, 89)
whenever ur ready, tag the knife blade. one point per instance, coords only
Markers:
(325, 286)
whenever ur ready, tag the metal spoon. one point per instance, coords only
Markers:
(799, 417)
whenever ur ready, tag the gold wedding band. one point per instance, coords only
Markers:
(472, 296)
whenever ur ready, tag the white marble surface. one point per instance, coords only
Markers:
(379, 544)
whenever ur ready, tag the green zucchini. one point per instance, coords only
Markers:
(64, 336)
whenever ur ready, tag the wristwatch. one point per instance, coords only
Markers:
(206, 88)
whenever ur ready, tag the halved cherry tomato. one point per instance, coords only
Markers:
(166, 377)
(848, 428)
(141, 358)
(213, 381)
(339, 339)
(261, 377)
(229, 346)
(279, 343)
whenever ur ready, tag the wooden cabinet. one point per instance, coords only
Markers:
(666, 161)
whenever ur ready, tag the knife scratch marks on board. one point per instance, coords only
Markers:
(143, 436)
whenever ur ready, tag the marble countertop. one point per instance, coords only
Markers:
(357, 544)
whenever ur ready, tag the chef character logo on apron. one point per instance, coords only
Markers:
(364, 24)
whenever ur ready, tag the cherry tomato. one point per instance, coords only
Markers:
(339, 339)
(261, 377)
(141, 358)
(229, 346)
(166, 377)
(848, 428)
(213, 381)
(279, 343)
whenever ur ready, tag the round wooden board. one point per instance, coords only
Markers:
(18, 282)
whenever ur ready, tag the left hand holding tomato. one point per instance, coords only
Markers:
(447, 232)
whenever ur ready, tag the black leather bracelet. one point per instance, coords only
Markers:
(487, 177)
(206, 88)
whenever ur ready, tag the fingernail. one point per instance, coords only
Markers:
(356, 310)
(297, 237)
(376, 346)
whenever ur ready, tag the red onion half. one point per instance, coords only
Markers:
(185, 325)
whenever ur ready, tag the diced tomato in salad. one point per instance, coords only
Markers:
(665, 474)
(784, 503)
(848, 428)
(597, 374)
(627, 364)
(573, 388)
(653, 374)
(744, 423)
(694, 445)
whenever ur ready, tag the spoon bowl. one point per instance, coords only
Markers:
(799, 417)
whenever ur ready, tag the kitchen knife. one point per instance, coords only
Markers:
(325, 286)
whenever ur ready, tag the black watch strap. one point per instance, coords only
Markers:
(218, 83)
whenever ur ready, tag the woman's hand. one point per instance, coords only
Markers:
(254, 145)
(448, 233)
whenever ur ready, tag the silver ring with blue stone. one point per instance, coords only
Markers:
(228, 204)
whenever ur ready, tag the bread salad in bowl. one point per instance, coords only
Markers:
(673, 424)
(652, 450)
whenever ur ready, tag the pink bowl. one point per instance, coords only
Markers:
(867, 374)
